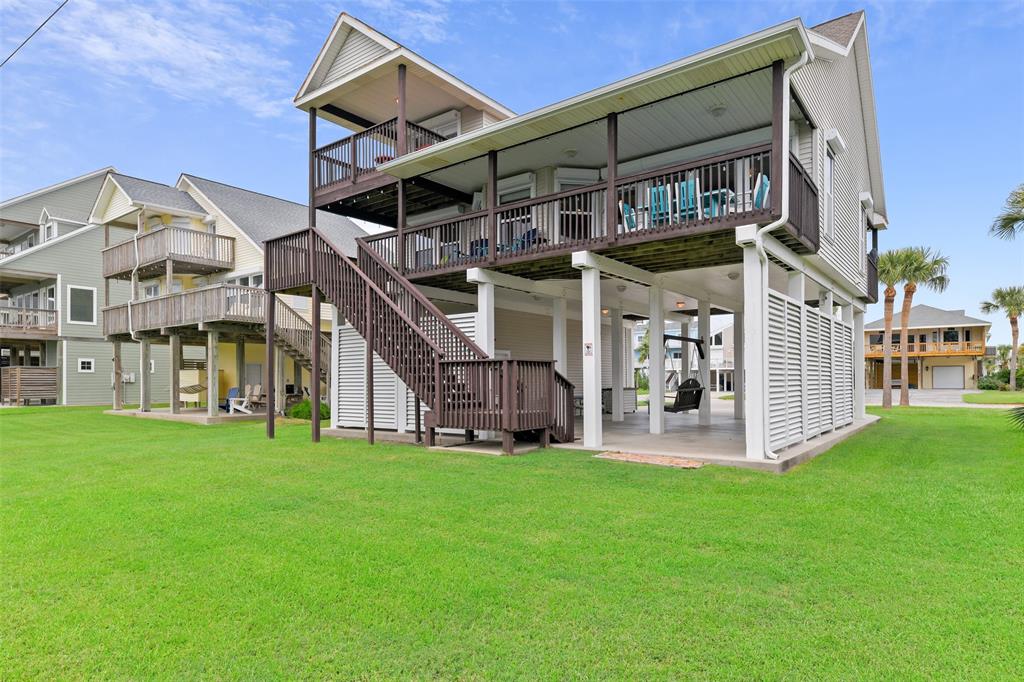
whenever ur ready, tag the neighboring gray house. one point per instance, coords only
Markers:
(52, 290)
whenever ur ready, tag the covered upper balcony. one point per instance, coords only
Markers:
(168, 247)
(396, 103)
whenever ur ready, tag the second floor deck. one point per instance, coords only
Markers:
(189, 251)
(28, 323)
(928, 349)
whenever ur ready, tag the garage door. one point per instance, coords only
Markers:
(947, 377)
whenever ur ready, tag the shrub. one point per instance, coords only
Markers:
(1003, 376)
(642, 384)
(992, 383)
(304, 410)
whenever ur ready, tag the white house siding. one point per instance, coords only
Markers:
(113, 204)
(72, 201)
(810, 372)
(830, 91)
(357, 49)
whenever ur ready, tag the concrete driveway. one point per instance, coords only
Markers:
(934, 397)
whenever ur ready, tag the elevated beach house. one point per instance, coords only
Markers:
(743, 179)
(190, 259)
(946, 348)
(52, 292)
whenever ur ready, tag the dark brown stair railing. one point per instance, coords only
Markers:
(443, 367)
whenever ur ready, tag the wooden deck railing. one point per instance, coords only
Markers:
(444, 369)
(357, 156)
(216, 303)
(208, 251)
(25, 320)
(21, 385)
(724, 189)
(930, 348)
(872, 288)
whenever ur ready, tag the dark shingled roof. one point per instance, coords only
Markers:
(840, 30)
(264, 217)
(156, 194)
(926, 316)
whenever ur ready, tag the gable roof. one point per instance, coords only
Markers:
(923, 316)
(841, 30)
(63, 198)
(156, 195)
(264, 217)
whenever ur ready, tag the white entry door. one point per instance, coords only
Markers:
(947, 377)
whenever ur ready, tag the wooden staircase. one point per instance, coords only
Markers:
(461, 387)
(293, 334)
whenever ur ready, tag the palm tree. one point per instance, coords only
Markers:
(921, 267)
(1010, 300)
(1003, 354)
(890, 273)
(643, 349)
(1011, 221)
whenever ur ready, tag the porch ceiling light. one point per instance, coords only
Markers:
(733, 276)
(680, 304)
(570, 153)
(717, 110)
(604, 311)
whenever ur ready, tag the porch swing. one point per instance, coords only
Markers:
(689, 392)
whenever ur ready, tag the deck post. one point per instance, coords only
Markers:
(485, 317)
(858, 365)
(617, 364)
(611, 211)
(118, 377)
(779, 154)
(145, 381)
(169, 276)
(240, 366)
(212, 370)
(403, 143)
(174, 360)
(400, 264)
(737, 365)
(754, 350)
(592, 427)
(269, 388)
(559, 346)
(314, 375)
(418, 419)
(704, 364)
(370, 331)
(280, 381)
(312, 168)
(492, 205)
(656, 360)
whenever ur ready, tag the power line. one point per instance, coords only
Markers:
(38, 28)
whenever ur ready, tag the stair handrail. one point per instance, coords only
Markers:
(373, 287)
(420, 298)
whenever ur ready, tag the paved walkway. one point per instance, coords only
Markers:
(935, 397)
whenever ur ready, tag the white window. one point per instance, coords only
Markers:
(151, 291)
(830, 162)
(51, 298)
(87, 365)
(81, 305)
(49, 231)
(255, 280)
(152, 366)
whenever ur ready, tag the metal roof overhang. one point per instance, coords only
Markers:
(786, 42)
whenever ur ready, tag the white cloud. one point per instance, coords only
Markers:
(424, 21)
(194, 50)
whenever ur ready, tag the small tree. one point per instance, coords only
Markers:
(890, 273)
(921, 267)
(1009, 300)
(1010, 222)
(643, 349)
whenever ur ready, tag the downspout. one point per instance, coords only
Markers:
(135, 270)
(774, 225)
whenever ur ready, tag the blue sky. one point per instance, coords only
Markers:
(159, 87)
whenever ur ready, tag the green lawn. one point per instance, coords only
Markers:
(139, 549)
(995, 398)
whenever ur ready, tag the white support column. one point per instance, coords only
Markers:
(737, 363)
(704, 364)
(753, 352)
(485, 317)
(796, 286)
(826, 303)
(212, 368)
(559, 347)
(617, 363)
(145, 380)
(858, 365)
(656, 360)
(592, 427)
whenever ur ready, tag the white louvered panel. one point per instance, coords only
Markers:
(351, 408)
(794, 372)
(825, 371)
(812, 370)
(776, 370)
(844, 370)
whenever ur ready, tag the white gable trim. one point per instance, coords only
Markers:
(248, 237)
(59, 185)
(344, 20)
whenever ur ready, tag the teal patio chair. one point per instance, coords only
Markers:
(660, 202)
(689, 200)
(761, 187)
(628, 216)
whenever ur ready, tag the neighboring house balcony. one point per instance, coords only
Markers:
(6, 251)
(349, 166)
(238, 312)
(930, 348)
(182, 249)
(28, 323)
